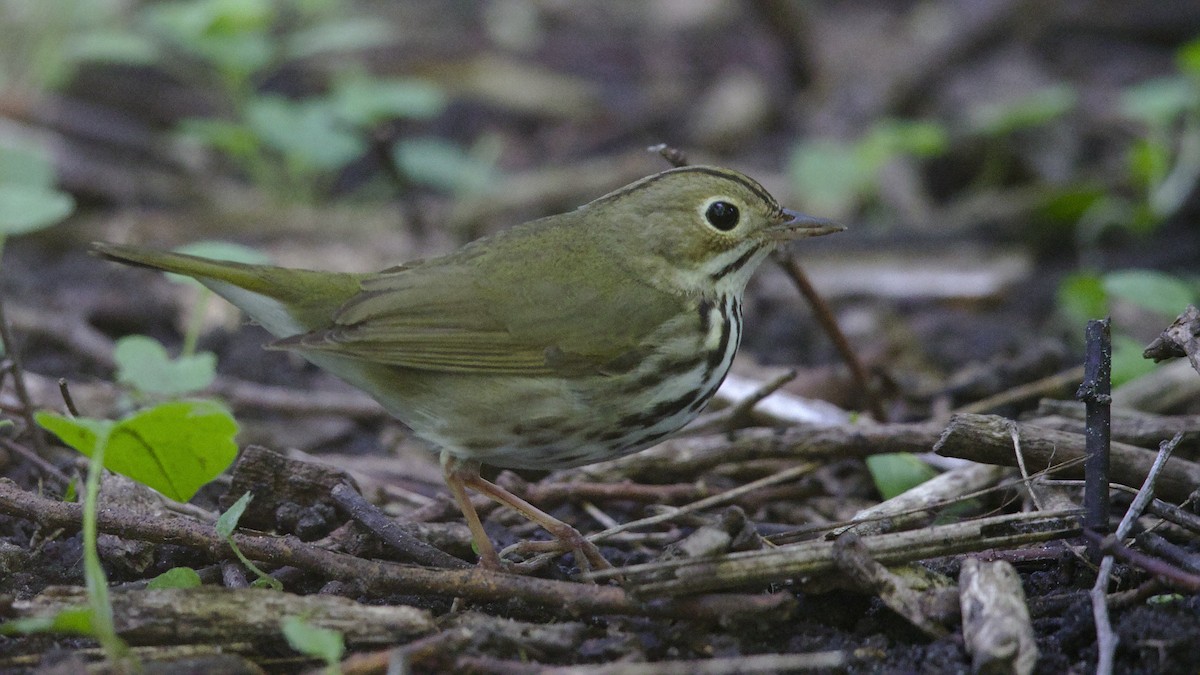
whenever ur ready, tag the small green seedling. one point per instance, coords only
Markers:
(176, 577)
(1086, 295)
(29, 200)
(321, 643)
(144, 365)
(226, 524)
(834, 177)
(175, 448)
(899, 472)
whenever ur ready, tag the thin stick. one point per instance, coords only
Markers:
(391, 532)
(1042, 387)
(1106, 639)
(1159, 568)
(829, 323)
(674, 156)
(66, 396)
(32, 456)
(376, 576)
(743, 407)
(18, 373)
(1025, 478)
(729, 418)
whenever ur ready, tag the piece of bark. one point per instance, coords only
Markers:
(914, 507)
(127, 556)
(914, 593)
(730, 531)
(1181, 338)
(678, 459)
(289, 495)
(216, 615)
(996, 629)
(1128, 426)
(1160, 390)
(988, 439)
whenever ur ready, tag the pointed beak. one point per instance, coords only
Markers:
(796, 225)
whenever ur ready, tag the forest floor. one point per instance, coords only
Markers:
(1028, 200)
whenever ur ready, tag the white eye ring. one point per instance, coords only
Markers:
(721, 213)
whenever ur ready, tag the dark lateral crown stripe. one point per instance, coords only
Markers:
(749, 183)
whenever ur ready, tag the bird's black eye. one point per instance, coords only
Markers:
(722, 215)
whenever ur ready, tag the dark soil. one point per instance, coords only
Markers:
(997, 206)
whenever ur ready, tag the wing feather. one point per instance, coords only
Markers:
(481, 317)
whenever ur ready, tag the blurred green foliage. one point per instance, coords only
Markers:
(1038, 108)
(835, 177)
(293, 147)
(29, 200)
(1163, 169)
(312, 640)
(1087, 295)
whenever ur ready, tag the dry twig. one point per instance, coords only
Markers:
(987, 438)
(751, 568)
(1106, 639)
(570, 599)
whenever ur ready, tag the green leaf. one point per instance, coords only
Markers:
(25, 208)
(1188, 58)
(1148, 162)
(443, 165)
(143, 363)
(1158, 102)
(891, 137)
(347, 35)
(176, 577)
(829, 177)
(1069, 204)
(364, 101)
(25, 167)
(322, 643)
(308, 133)
(1127, 360)
(232, 35)
(1155, 291)
(897, 473)
(81, 433)
(231, 138)
(1035, 109)
(233, 17)
(1166, 599)
(227, 522)
(1081, 296)
(71, 621)
(174, 447)
(114, 46)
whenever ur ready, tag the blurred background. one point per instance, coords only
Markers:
(1006, 168)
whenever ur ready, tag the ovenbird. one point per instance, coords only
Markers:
(567, 340)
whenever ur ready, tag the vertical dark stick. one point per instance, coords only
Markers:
(828, 322)
(1095, 392)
